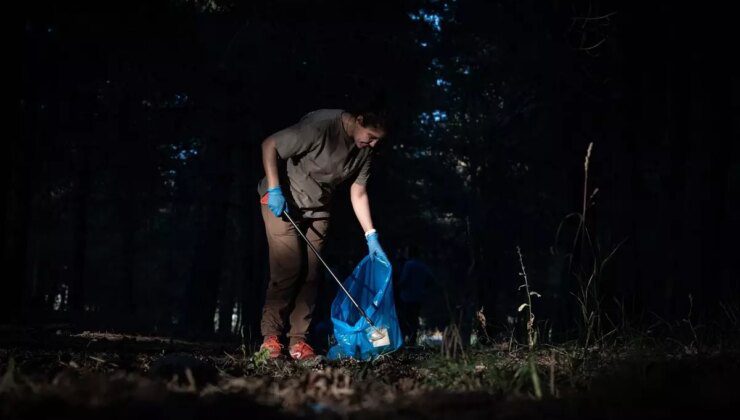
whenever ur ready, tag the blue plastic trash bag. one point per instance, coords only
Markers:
(370, 285)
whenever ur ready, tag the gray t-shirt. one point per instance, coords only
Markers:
(318, 155)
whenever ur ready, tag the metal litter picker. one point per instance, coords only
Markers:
(378, 336)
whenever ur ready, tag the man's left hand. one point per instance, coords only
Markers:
(374, 246)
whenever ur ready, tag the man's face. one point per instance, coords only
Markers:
(367, 136)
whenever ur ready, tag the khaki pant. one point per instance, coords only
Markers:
(293, 274)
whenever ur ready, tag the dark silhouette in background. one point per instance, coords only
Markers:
(414, 283)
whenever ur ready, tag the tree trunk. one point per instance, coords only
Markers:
(206, 277)
(77, 288)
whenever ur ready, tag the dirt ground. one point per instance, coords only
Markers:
(50, 373)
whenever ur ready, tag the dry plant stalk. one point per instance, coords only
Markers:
(452, 342)
(531, 332)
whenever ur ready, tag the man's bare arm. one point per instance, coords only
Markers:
(361, 206)
(270, 162)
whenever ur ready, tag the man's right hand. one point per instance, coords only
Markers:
(276, 202)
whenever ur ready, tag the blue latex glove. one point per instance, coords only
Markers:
(276, 202)
(374, 246)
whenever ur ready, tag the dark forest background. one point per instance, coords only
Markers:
(131, 199)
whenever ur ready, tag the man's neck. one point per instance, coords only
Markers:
(348, 123)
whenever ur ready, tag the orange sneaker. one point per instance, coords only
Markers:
(272, 345)
(301, 351)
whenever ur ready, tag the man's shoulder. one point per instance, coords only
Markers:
(322, 116)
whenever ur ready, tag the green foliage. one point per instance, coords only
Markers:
(528, 374)
(486, 370)
(260, 358)
(482, 371)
